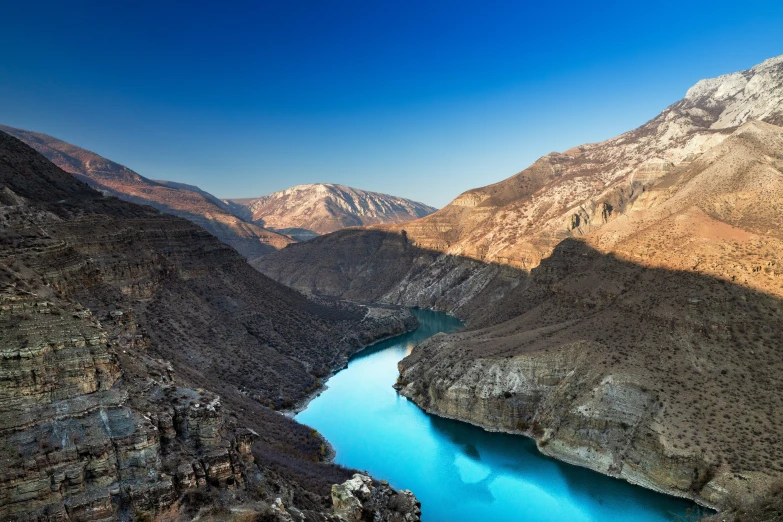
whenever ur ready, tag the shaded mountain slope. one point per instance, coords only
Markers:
(305, 211)
(177, 199)
(138, 352)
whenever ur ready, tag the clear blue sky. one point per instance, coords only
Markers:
(422, 99)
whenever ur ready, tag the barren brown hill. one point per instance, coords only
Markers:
(178, 199)
(519, 220)
(140, 359)
(625, 297)
(306, 211)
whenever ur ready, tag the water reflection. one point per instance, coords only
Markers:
(458, 471)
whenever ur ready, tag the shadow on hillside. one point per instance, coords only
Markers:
(370, 266)
(710, 349)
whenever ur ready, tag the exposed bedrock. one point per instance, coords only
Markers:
(610, 425)
(359, 499)
(139, 359)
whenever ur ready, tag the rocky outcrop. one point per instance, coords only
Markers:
(359, 499)
(306, 211)
(80, 443)
(76, 443)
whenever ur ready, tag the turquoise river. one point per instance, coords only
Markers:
(459, 472)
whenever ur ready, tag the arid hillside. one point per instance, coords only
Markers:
(306, 211)
(500, 226)
(178, 199)
(142, 359)
(624, 297)
(519, 220)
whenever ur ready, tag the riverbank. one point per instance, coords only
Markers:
(492, 475)
(543, 447)
(395, 321)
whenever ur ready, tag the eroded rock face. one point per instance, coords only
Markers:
(75, 445)
(359, 499)
(137, 354)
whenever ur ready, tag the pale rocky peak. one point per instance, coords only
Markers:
(305, 211)
(755, 94)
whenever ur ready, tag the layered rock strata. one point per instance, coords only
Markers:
(137, 354)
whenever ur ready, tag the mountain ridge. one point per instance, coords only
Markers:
(313, 209)
(178, 199)
(519, 220)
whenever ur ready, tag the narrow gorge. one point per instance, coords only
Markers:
(235, 333)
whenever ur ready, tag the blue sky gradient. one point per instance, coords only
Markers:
(421, 99)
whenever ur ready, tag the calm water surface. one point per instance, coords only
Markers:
(459, 472)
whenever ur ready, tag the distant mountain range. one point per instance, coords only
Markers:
(178, 199)
(254, 227)
(306, 211)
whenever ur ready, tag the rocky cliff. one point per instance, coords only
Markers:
(306, 211)
(648, 349)
(664, 378)
(178, 199)
(140, 359)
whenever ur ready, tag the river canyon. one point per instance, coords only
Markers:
(460, 472)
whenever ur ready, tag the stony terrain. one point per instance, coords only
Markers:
(624, 297)
(178, 199)
(141, 361)
(306, 211)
